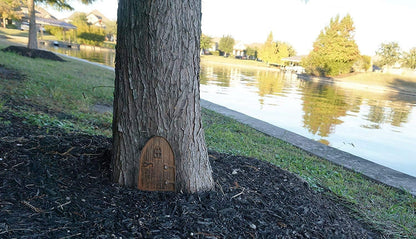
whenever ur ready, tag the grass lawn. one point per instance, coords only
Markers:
(64, 93)
(390, 82)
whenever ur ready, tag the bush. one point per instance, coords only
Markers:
(215, 53)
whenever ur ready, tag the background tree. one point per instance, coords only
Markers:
(226, 44)
(388, 54)
(157, 89)
(10, 9)
(252, 52)
(335, 50)
(363, 63)
(282, 50)
(266, 52)
(59, 4)
(273, 52)
(206, 42)
(409, 59)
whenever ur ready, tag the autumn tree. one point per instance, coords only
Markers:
(226, 44)
(266, 51)
(157, 89)
(273, 51)
(335, 50)
(282, 50)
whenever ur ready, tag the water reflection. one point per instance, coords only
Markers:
(94, 54)
(323, 106)
(379, 126)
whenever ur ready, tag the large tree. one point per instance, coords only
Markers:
(59, 4)
(335, 50)
(157, 89)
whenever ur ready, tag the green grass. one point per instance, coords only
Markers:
(61, 94)
(69, 88)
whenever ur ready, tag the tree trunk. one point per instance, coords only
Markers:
(33, 41)
(157, 89)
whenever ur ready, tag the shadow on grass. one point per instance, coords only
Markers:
(405, 90)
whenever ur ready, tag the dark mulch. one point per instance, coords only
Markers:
(33, 53)
(57, 185)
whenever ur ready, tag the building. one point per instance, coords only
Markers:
(96, 18)
(239, 49)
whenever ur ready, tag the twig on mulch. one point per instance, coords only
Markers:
(238, 194)
(35, 209)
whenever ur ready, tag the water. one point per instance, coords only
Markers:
(378, 126)
(94, 54)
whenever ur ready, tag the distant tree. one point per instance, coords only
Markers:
(409, 58)
(206, 42)
(388, 54)
(252, 52)
(282, 50)
(86, 33)
(226, 44)
(363, 63)
(335, 50)
(10, 9)
(111, 30)
(266, 52)
(291, 50)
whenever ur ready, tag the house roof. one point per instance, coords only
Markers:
(99, 15)
(293, 58)
(55, 23)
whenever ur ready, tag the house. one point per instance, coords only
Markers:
(97, 19)
(239, 49)
(214, 46)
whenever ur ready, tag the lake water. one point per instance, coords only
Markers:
(378, 126)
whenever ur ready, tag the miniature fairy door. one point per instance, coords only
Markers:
(157, 166)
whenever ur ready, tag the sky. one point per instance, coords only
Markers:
(296, 22)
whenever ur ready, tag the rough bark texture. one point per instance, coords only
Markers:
(33, 41)
(157, 89)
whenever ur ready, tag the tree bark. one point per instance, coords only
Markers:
(157, 89)
(33, 41)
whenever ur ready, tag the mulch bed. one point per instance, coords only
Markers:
(57, 185)
(33, 53)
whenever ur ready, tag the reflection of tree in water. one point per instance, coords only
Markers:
(323, 105)
(394, 113)
(269, 83)
(400, 114)
(220, 75)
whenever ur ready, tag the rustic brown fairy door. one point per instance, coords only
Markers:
(157, 166)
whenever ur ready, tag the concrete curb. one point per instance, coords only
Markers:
(370, 169)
